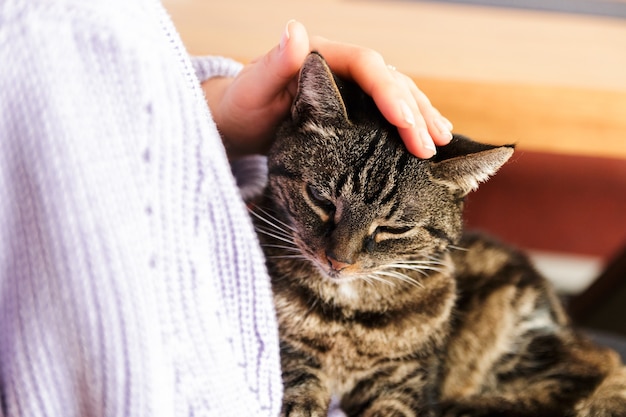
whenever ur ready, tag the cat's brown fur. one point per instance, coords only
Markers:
(382, 300)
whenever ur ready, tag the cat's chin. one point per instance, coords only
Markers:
(340, 278)
(336, 277)
(341, 285)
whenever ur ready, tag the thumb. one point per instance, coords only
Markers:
(292, 49)
(273, 75)
(260, 96)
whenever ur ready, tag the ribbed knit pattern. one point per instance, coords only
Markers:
(131, 281)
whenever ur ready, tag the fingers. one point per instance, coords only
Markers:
(420, 125)
(430, 127)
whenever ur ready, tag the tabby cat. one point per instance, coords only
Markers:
(384, 303)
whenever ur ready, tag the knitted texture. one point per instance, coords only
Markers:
(131, 281)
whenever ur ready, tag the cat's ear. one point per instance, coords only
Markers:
(464, 163)
(318, 97)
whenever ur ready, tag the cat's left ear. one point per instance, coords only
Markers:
(318, 97)
(464, 163)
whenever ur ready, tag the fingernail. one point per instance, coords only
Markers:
(443, 128)
(427, 141)
(286, 35)
(448, 123)
(407, 113)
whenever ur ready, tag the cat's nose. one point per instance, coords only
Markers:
(335, 263)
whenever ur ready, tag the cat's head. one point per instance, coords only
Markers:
(353, 200)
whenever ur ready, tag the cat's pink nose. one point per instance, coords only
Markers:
(336, 264)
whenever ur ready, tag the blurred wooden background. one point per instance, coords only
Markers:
(547, 81)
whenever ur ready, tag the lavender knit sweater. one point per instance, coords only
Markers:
(131, 281)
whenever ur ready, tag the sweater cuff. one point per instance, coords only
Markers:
(214, 66)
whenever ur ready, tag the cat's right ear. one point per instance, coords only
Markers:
(464, 163)
(318, 97)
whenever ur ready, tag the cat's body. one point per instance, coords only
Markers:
(381, 299)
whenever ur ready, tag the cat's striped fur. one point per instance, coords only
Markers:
(382, 300)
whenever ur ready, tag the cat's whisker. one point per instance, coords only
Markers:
(366, 279)
(284, 250)
(274, 229)
(288, 248)
(402, 277)
(273, 218)
(280, 278)
(277, 220)
(275, 235)
(372, 278)
(287, 257)
(419, 263)
(273, 226)
(420, 269)
(415, 267)
(459, 248)
(437, 258)
(409, 264)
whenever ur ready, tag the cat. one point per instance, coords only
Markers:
(384, 302)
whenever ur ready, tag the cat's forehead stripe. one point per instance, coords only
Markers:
(341, 182)
(391, 189)
(378, 185)
(366, 162)
(392, 210)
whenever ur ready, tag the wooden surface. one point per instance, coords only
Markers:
(549, 82)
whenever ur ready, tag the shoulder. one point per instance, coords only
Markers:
(483, 261)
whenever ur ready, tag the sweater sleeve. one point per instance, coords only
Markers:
(251, 171)
(131, 280)
(213, 66)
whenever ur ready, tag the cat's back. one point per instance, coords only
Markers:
(499, 289)
(484, 265)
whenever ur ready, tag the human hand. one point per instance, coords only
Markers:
(248, 108)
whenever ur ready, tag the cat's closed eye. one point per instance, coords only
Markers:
(320, 201)
(382, 233)
(393, 230)
(390, 232)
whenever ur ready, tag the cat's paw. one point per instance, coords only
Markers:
(303, 409)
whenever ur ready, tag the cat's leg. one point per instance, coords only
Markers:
(306, 391)
(566, 396)
(608, 400)
(513, 352)
(405, 389)
(545, 373)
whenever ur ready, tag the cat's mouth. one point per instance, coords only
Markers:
(390, 274)
(335, 275)
(334, 272)
(396, 273)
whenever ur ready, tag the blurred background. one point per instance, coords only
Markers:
(548, 75)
